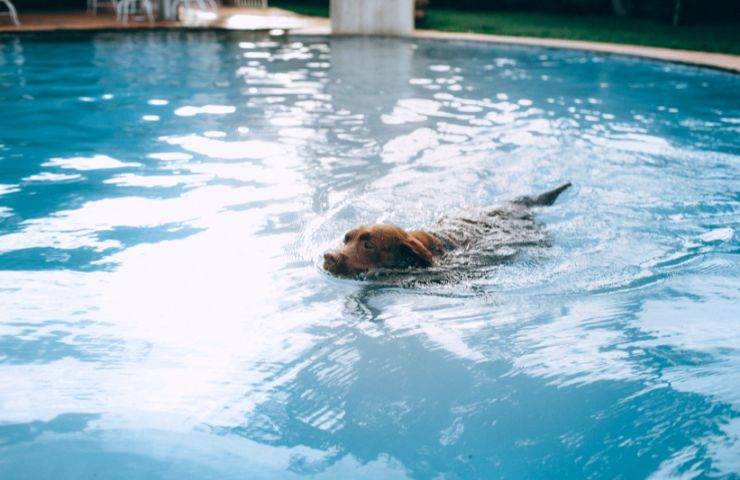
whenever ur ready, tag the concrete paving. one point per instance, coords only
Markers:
(227, 18)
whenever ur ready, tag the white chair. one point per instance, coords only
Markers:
(173, 6)
(93, 5)
(11, 12)
(130, 7)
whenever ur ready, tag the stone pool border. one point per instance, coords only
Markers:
(720, 61)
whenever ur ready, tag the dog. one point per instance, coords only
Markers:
(503, 230)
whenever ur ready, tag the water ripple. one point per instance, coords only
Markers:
(161, 296)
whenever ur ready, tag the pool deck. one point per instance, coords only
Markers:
(263, 20)
(228, 18)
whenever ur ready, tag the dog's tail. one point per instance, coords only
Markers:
(543, 199)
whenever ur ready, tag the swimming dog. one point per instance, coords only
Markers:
(370, 248)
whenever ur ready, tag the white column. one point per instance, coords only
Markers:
(372, 17)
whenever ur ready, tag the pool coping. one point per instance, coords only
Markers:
(720, 61)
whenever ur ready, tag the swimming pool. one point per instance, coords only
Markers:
(165, 198)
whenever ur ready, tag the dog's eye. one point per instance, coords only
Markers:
(347, 237)
(368, 245)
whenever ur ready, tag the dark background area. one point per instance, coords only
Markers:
(691, 10)
(22, 5)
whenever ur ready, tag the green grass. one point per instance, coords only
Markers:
(710, 38)
(600, 28)
(315, 8)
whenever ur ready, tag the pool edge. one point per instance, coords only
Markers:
(719, 61)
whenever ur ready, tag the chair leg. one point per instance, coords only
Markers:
(122, 11)
(131, 9)
(149, 9)
(185, 9)
(13, 14)
(174, 8)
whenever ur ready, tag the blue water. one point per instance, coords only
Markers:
(165, 199)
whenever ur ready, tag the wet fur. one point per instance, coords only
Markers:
(495, 234)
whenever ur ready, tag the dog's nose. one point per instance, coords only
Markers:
(330, 260)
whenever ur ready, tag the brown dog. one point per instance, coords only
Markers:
(375, 247)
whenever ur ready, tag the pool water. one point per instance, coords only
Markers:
(165, 199)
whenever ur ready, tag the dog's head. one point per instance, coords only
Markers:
(374, 247)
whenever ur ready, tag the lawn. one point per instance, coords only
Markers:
(600, 28)
(315, 8)
(711, 38)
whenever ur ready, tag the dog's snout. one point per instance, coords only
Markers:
(332, 262)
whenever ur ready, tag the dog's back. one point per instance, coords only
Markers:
(500, 231)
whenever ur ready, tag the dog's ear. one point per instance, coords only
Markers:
(414, 253)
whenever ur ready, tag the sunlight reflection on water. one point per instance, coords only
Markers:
(160, 296)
